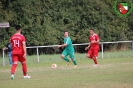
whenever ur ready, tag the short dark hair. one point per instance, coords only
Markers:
(18, 27)
(92, 29)
(65, 31)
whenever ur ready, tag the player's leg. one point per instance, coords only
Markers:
(14, 65)
(89, 54)
(95, 55)
(71, 54)
(64, 56)
(24, 66)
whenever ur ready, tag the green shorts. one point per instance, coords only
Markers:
(70, 53)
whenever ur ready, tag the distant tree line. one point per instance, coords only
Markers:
(43, 22)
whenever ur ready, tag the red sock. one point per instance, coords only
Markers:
(13, 68)
(91, 57)
(24, 68)
(95, 60)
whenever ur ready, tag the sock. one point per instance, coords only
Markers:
(24, 68)
(13, 68)
(66, 59)
(74, 61)
(91, 57)
(95, 60)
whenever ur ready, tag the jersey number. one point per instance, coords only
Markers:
(16, 43)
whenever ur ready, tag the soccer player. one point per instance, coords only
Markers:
(18, 42)
(93, 47)
(69, 50)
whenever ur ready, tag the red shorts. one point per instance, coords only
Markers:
(18, 57)
(93, 52)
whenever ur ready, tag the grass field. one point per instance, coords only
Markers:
(114, 71)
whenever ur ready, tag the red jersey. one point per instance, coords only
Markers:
(17, 41)
(94, 37)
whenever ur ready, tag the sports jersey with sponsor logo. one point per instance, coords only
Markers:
(69, 46)
(17, 41)
(94, 37)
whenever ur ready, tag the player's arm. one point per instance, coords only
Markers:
(4, 48)
(63, 45)
(86, 48)
(24, 48)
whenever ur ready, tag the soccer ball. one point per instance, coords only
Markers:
(54, 66)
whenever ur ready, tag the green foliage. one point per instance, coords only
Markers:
(44, 21)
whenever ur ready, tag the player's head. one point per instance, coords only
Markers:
(92, 31)
(18, 27)
(66, 33)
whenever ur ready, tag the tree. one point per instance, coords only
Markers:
(43, 21)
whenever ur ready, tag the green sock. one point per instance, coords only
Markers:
(74, 61)
(66, 59)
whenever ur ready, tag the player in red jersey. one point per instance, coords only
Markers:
(93, 47)
(18, 42)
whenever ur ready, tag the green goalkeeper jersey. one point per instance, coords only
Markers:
(69, 46)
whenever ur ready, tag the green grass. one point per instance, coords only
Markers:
(114, 71)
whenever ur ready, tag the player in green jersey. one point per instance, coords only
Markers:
(69, 50)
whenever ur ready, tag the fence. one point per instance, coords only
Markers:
(101, 43)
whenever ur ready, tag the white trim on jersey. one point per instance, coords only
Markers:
(66, 41)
